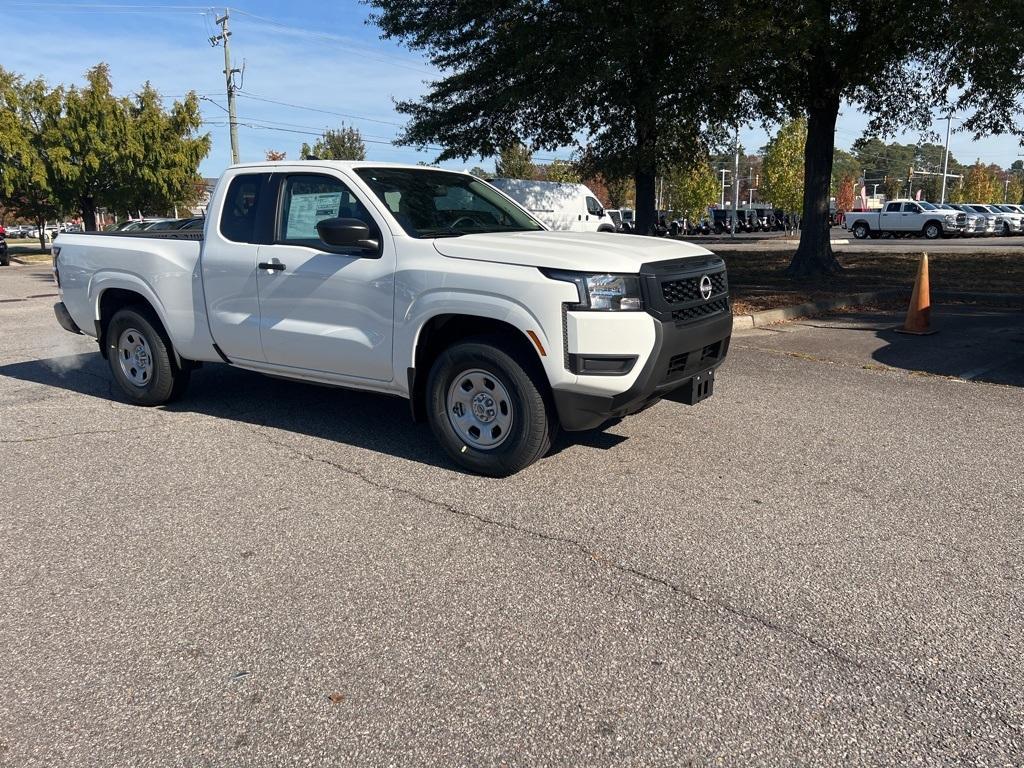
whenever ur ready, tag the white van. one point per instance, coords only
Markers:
(561, 206)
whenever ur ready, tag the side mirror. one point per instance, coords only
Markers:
(346, 233)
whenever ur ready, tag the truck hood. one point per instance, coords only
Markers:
(573, 251)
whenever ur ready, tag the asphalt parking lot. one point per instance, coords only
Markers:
(820, 565)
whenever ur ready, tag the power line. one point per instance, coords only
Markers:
(393, 61)
(248, 95)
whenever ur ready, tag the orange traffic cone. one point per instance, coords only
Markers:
(919, 315)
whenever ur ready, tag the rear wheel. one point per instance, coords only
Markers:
(141, 360)
(861, 230)
(490, 414)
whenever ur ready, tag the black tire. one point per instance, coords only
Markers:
(932, 230)
(1006, 230)
(861, 230)
(164, 380)
(533, 424)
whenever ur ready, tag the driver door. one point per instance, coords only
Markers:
(325, 309)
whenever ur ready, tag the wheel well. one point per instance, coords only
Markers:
(442, 331)
(112, 300)
(933, 221)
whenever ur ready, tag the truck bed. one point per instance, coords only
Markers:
(163, 267)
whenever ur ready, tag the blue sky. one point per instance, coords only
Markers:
(320, 55)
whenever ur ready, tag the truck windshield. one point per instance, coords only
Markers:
(428, 203)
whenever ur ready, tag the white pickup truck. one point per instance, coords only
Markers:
(427, 284)
(903, 217)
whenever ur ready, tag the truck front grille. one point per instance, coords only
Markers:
(688, 288)
(701, 310)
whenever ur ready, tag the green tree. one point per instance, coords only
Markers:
(162, 155)
(621, 192)
(632, 79)
(844, 164)
(783, 167)
(515, 161)
(887, 60)
(1014, 191)
(24, 175)
(562, 170)
(480, 173)
(691, 187)
(345, 143)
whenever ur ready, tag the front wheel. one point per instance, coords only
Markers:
(141, 360)
(932, 231)
(490, 414)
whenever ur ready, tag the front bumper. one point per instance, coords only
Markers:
(683, 361)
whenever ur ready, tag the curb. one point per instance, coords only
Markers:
(815, 308)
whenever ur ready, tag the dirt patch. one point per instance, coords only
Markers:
(757, 280)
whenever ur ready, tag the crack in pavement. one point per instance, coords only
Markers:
(76, 434)
(953, 697)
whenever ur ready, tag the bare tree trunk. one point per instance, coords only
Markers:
(88, 210)
(645, 204)
(814, 255)
(41, 224)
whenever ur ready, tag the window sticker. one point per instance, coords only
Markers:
(305, 211)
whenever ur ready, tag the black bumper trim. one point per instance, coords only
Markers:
(64, 318)
(578, 411)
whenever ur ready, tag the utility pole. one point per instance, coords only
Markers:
(945, 162)
(736, 186)
(229, 81)
(723, 172)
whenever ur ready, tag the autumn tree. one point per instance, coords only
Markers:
(980, 185)
(345, 143)
(845, 194)
(783, 167)
(621, 192)
(273, 155)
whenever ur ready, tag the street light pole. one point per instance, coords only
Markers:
(736, 184)
(945, 162)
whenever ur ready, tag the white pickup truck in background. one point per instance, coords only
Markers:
(907, 217)
(410, 281)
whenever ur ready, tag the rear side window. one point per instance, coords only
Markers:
(238, 219)
(892, 208)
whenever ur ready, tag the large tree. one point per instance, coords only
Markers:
(901, 61)
(691, 186)
(629, 78)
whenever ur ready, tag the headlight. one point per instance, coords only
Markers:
(951, 219)
(603, 292)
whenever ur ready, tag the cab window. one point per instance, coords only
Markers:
(238, 218)
(892, 208)
(594, 207)
(308, 199)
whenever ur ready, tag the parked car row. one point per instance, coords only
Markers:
(902, 218)
(23, 231)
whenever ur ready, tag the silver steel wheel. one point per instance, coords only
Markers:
(135, 356)
(479, 409)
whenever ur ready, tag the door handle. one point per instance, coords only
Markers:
(273, 266)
